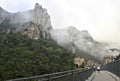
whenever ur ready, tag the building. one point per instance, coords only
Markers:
(78, 61)
(108, 59)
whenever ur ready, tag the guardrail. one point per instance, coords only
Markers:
(72, 75)
(113, 67)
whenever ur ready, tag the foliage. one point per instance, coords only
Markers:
(21, 56)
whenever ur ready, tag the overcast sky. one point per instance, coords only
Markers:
(100, 17)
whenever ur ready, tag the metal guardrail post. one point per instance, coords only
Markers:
(114, 67)
(117, 70)
(72, 75)
(49, 78)
(118, 63)
(81, 78)
(79, 75)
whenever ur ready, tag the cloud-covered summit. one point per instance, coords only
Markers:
(75, 40)
(32, 22)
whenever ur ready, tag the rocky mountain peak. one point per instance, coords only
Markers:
(80, 42)
(85, 32)
(1, 9)
(38, 6)
(21, 21)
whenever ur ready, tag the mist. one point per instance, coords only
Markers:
(100, 17)
(71, 38)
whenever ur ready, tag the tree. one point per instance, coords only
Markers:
(18, 58)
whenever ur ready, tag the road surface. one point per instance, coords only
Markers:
(103, 76)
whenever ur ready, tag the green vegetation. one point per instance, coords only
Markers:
(21, 56)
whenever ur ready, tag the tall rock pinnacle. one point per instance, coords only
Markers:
(41, 16)
(36, 19)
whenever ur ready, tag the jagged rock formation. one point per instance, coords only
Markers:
(35, 22)
(80, 42)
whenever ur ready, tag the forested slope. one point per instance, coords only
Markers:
(21, 56)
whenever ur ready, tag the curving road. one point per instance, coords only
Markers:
(103, 76)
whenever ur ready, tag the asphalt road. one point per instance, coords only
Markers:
(103, 76)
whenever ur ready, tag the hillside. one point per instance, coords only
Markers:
(79, 42)
(37, 23)
(21, 56)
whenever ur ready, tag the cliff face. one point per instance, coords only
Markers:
(79, 42)
(35, 22)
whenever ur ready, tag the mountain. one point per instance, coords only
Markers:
(112, 47)
(34, 22)
(80, 42)
(21, 56)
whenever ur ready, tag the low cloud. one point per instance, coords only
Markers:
(100, 17)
